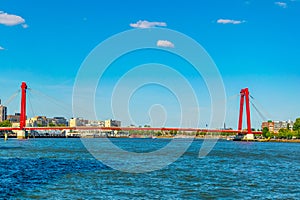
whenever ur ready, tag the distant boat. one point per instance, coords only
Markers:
(238, 137)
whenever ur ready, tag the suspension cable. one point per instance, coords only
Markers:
(261, 110)
(58, 103)
(258, 111)
(30, 103)
(10, 99)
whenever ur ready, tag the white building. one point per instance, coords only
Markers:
(97, 123)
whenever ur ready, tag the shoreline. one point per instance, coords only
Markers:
(161, 137)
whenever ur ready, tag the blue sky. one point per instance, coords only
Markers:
(254, 44)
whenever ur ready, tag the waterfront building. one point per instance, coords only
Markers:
(275, 126)
(58, 121)
(97, 123)
(14, 118)
(3, 112)
(38, 121)
(78, 122)
(269, 125)
(112, 123)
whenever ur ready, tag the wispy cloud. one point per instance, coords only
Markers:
(24, 25)
(147, 24)
(165, 43)
(11, 20)
(281, 4)
(230, 21)
(1, 48)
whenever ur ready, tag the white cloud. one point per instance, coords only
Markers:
(1, 48)
(146, 24)
(165, 43)
(281, 4)
(230, 21)
(10, 20)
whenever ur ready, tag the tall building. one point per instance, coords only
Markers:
(3, 112)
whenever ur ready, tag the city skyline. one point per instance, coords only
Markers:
(254, 44)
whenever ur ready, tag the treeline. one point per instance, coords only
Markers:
(5, 123)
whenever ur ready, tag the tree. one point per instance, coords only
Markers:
(5, 123)
(281, 133)
(296, 125)
(158, 133)
(297, 134)
(285, 133)
(265, 132)
(173, 132)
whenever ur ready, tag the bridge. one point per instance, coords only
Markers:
(22, 130)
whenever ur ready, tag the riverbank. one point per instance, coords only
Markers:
(168, 137)
(285, 140)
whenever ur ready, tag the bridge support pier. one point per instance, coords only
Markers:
(22, 134)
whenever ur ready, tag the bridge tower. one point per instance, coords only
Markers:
(22, 133)
(245, 97)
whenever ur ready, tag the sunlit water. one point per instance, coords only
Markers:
(64, 169)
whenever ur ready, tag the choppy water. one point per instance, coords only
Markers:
(63, 169)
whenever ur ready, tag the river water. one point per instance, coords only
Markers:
(64, 169)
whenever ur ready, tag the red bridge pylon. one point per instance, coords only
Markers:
(245, 96)
(23, 106)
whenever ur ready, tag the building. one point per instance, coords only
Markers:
(275, 126)
(112, 123)
(58, 121)
(97, 123)
(38, 121)
(77, 122)
(269, 125)
(43, 121)
(3, 112)
(14, 118)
